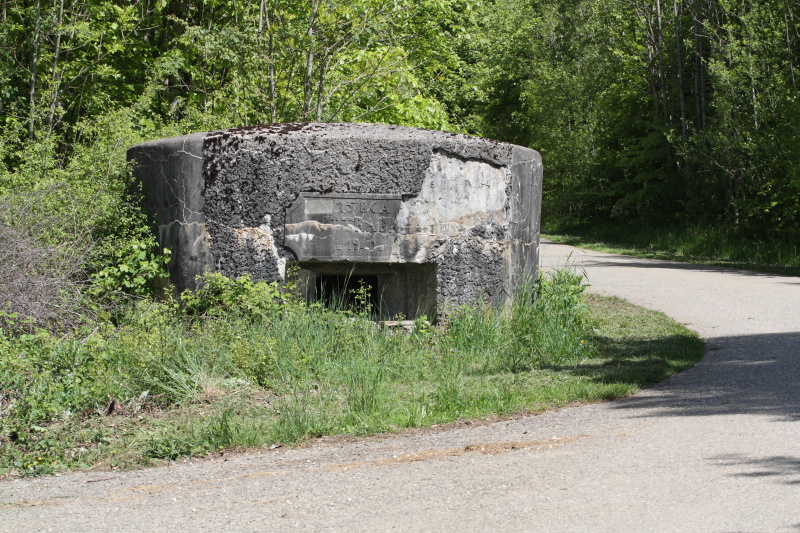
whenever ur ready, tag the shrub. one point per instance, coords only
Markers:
(40, 277)
(218, 295)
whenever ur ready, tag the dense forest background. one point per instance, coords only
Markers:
(651, 112)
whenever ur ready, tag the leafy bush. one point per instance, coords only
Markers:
(71, 221)
(217, 295)
(134, 267)
(43, 379)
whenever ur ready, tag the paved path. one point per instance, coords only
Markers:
(716, 448)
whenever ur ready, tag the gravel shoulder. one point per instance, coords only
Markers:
(716, 448)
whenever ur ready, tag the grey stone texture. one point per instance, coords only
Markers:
(334, 199)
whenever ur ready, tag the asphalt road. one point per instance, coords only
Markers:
(716, 448)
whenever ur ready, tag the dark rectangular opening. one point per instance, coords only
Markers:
(348, 291)
(397, 290)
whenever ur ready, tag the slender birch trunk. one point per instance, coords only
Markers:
(54, 97)
(681, 89)
(37, 25)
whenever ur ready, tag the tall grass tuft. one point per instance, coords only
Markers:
(548, 323)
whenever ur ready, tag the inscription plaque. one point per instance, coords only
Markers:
(342, 227)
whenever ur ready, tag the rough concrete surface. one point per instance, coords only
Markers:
(250, 200)
(716, 448)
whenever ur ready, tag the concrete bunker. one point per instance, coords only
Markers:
(427, 218)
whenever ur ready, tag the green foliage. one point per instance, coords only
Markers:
(84, 82)
(548, 323)
(132, 269)
(222, 430)
(164, 361)
(84, 210)
(249, 373)
(216, 64)
(219, 295)
(668, 114)
(644, 113)
(43, 378)
(664, 114)
(302, 414)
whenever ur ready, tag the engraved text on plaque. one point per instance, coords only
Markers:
(342, 227)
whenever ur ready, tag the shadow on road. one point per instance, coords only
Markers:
(783, 469)
(750, 374)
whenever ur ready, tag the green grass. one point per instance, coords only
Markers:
(161, 385)
(700, 245)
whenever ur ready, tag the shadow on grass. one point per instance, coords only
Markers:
(637, 362)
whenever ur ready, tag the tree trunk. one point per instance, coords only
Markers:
(752, 74)
(308, 81)
(34, 66)
(678, 46)
(698, 65)
(320, 87)
(271, 73)
(263, 16)
(54, 97)
(789, 47)
(270, 61)
(644, 14)
(661, 70)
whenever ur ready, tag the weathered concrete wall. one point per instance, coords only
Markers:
(249, 200)
(171, 171)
